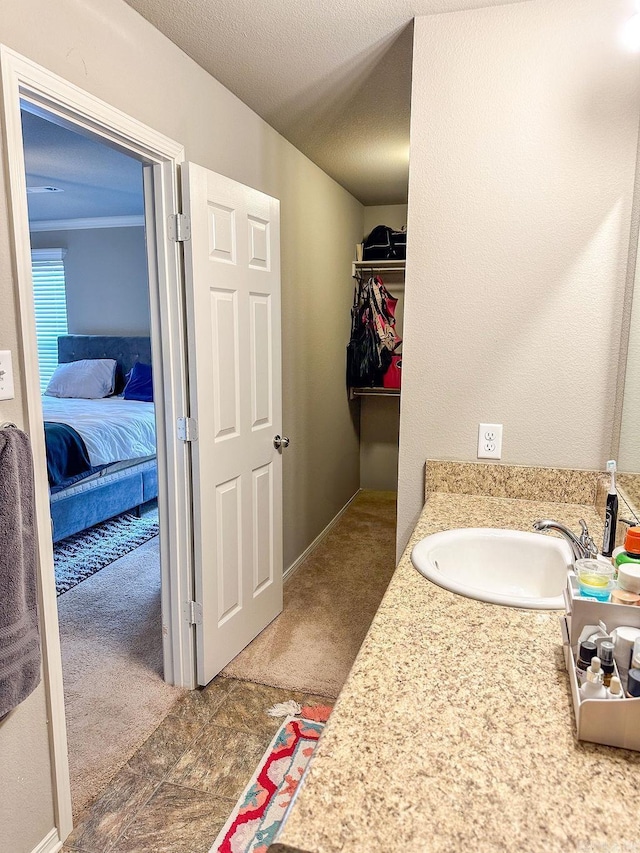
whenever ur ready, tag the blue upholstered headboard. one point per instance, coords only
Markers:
(125, 350)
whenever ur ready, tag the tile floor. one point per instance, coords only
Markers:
(176, 792)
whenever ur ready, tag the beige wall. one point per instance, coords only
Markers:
(379, 416)
(104, 47)
(393, 215)
(523, 147)
(105, 272)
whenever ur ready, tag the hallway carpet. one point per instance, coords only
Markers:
(110, 633)
(329, 603)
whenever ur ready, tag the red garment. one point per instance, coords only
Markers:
(393, 374)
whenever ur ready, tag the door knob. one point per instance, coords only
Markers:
(280, 441)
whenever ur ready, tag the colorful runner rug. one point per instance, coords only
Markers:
(255, 820)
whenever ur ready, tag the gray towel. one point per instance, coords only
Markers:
(19, 635)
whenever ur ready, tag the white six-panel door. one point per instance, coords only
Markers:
(232, 266)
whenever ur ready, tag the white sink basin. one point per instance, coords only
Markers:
(506, 567)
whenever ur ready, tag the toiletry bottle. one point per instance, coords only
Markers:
(606, 661)
(633, 684)
(588, 650)
(621, 596)
(593, 688)
(630, 555)
(635, 655)
(614, 690)
(624, 638)
(611, 513)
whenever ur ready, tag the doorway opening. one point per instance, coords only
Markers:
(93, 327)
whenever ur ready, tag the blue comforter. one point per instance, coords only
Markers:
(67, 457)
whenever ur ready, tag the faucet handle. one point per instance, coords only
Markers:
(585, 536)
(586, 540)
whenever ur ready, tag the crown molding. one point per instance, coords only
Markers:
(87, 223)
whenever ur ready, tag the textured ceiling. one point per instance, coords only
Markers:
(334, 78)
(96, 179)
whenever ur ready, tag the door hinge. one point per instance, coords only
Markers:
(193, 613)
(179, 227)
(187, 429)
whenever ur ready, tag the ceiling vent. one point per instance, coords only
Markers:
(44, 190)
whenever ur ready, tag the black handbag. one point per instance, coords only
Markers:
(363, 367)
(377, 245)
(362, 349)
(385, 244)
(399, 245)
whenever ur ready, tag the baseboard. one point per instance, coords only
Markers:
(297, 563)
(50, 844)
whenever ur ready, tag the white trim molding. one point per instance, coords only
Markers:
(46, 92)
(24, 80)
(51, 843)
(322, 535)
(88, 223)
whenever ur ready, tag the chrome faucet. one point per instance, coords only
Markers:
(582, 546)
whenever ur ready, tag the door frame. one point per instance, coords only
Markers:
(24, 79)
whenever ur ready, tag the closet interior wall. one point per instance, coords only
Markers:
(380, 416)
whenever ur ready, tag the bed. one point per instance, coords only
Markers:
(113, 468)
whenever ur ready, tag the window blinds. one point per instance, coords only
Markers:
(50, 303)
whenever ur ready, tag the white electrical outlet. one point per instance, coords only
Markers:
(489, 441)
(6, 376)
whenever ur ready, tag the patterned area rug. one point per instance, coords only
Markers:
(82, 555)
(255, 820)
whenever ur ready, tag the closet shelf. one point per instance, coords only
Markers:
(375, 392)
(378, 266)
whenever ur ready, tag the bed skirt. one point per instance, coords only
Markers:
(89, 502)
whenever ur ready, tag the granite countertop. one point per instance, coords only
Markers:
(455, 729)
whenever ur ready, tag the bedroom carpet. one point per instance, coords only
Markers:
(329, 603)
(78, 557)
(110, 633)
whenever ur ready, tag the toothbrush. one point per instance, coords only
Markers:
(611, 513)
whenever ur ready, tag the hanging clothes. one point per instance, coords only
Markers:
(373, 335)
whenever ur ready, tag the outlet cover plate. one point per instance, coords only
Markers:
(489, 441)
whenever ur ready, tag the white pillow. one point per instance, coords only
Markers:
(90, 378)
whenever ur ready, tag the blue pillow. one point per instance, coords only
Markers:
(139, 383)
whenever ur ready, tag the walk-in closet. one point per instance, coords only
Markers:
(379, 406)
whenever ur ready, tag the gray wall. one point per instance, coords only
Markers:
(106, 279)
(106, 48)
(629, 448)
(379, 436)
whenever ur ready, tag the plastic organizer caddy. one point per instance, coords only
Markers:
(610, 722)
